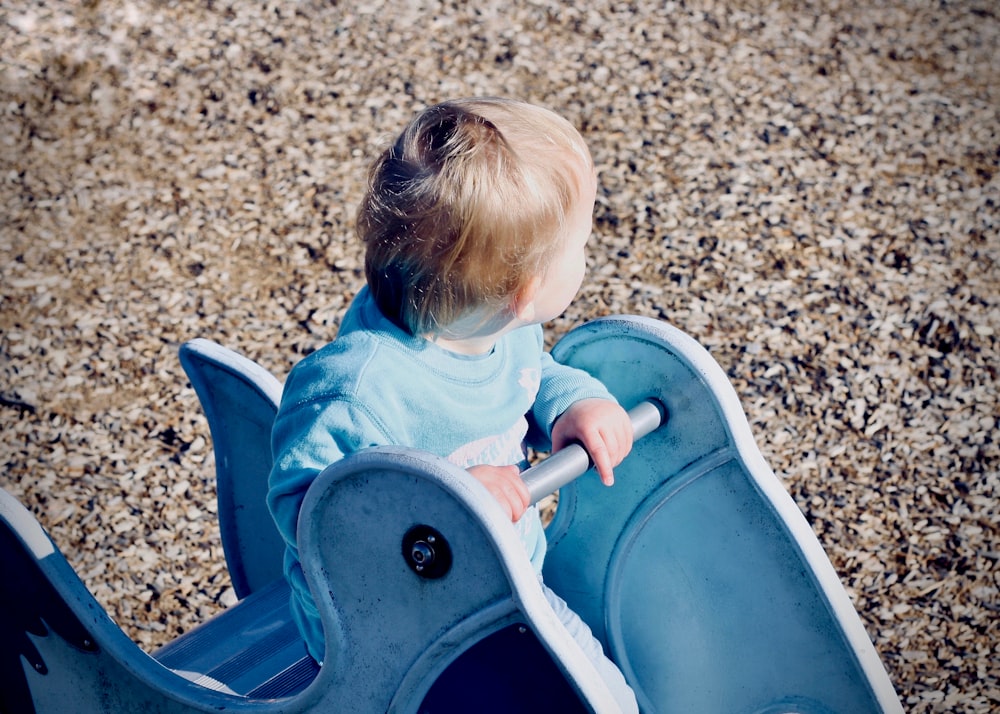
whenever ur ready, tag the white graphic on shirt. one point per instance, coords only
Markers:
(498, 450)
(530, 380)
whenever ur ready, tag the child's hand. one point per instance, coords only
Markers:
(507, 487)
(602, 428)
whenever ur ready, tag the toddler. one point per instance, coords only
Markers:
(475, 223)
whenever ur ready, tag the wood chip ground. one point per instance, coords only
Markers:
(808, 188)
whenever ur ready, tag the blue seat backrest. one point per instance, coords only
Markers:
(697, 570)
(393, 629)
(240, 399)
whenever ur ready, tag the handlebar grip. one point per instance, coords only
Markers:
(573, 461)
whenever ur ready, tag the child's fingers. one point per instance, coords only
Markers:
(505, 485)
(603, 462)
(602, 427)
(607, 449)
(517, 491)
(625, 438)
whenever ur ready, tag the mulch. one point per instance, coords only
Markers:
(810, 189)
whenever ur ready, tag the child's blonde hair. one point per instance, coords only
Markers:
(465, 208)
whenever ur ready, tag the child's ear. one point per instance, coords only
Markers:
(523, 302)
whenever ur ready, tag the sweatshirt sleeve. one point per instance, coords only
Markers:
(305, 440)
(560, 387)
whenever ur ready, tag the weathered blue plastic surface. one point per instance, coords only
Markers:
(59, 651)
(390, 632)
(482, 638)
(240, 399)
(696, 569)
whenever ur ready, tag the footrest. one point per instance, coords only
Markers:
(253, 649)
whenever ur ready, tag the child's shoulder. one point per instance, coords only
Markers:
(347, 352)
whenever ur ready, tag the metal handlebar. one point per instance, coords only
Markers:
(573, 461)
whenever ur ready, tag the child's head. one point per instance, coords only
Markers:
(467, 207)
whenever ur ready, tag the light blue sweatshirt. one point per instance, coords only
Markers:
(376, 384)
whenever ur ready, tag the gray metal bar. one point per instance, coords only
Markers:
(573, 461)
